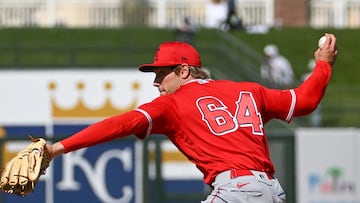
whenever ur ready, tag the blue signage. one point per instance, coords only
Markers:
(103, 173)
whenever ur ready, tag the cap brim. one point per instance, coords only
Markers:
(146, 68)
(150, 67)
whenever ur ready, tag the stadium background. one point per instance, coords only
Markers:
(228, 55)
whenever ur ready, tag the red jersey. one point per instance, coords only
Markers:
(217, 124)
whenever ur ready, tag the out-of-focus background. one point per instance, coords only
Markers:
(67, 64)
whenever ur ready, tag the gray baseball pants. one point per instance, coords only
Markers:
(256, 188)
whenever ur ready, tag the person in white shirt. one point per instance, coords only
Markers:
(277, 70)
(216, 13)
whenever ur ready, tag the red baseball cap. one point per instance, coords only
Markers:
(172, 54)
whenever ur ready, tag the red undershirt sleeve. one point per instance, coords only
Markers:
(106, 130)
(311, 91)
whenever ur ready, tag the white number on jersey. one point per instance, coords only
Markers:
(220, 121)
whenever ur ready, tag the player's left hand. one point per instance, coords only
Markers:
(22, 172)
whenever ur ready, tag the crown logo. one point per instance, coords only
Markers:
(80, 110)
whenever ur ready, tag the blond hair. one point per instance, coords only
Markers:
(195, 72)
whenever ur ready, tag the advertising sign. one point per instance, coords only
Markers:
(103, 174)
(58, 103)
(39, 97)
(327, 165)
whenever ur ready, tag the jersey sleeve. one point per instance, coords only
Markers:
(311, 91)
(277, 104)
(286, 104)
(158, 114)
(108, 129)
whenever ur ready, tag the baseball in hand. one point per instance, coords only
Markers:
(322, 41)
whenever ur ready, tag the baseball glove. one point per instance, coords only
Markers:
(22, 172)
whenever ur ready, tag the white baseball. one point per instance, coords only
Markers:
(322, 41)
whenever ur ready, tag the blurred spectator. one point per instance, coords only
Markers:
(233, 21)
(231, 5)
(216, 13)
(277, 70)
(186, 31)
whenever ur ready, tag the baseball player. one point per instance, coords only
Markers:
(217, 124)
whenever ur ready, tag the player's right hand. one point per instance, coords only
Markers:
(329, 51)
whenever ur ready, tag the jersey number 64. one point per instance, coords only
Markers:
(220, 121)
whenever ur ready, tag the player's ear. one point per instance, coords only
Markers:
(184, 70)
